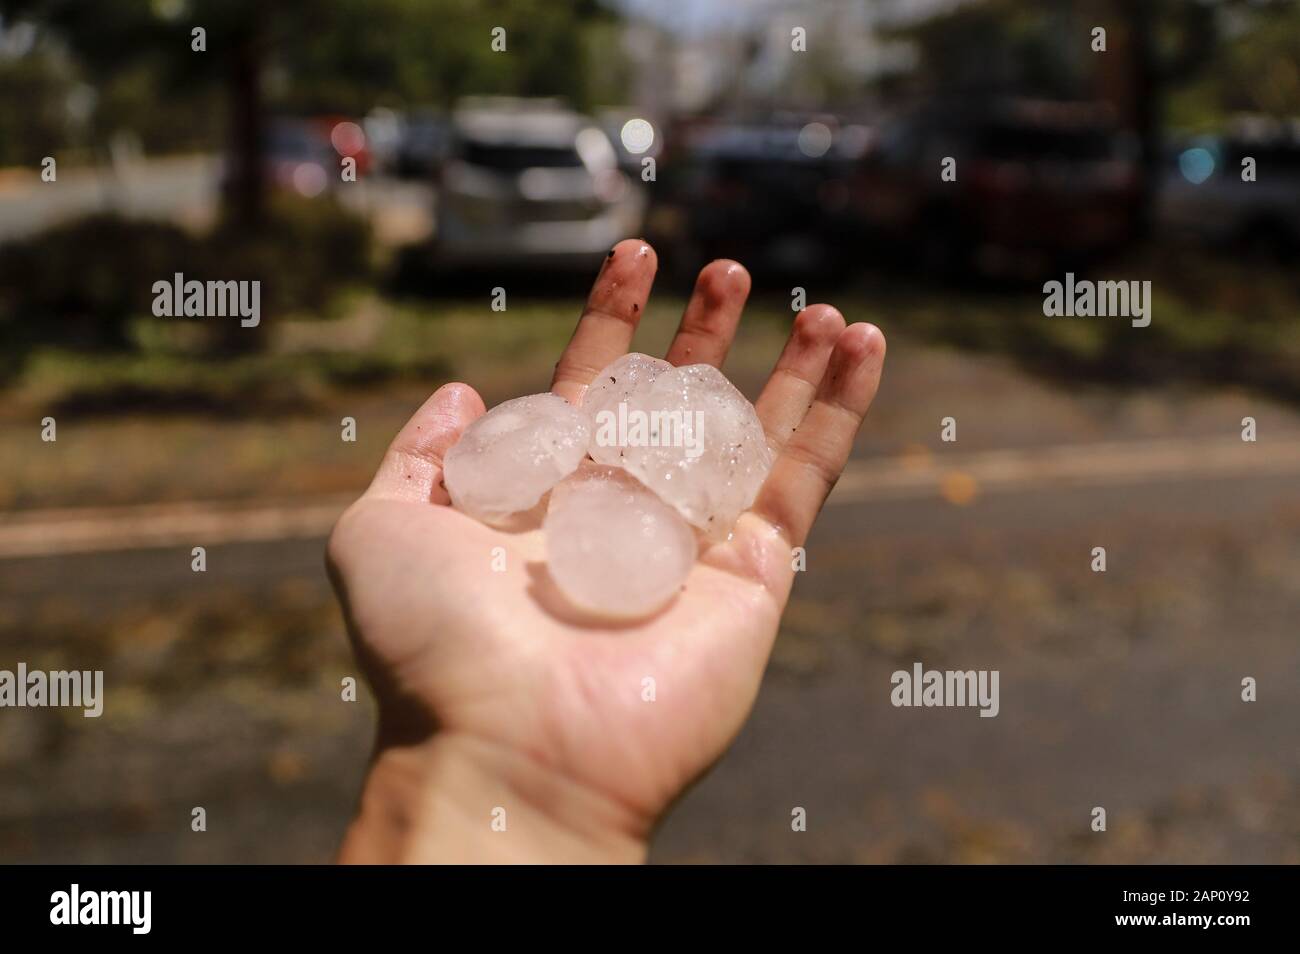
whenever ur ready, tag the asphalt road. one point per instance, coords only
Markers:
(1119, 690)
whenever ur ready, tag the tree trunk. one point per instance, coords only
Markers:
(1147, 92)
(247, 198)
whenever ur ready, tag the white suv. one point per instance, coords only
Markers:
(529, 182)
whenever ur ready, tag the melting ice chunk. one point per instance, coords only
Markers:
(705, 452)
(629, 376)
(612, 546)
(511, 456)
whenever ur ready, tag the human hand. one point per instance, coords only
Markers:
(492, 694)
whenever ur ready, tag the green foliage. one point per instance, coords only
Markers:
(999, 45)
(322, 56)
(80, 284)
(32, 94)
(397, 52)
(1256, 71)
(305, 251)
(166, 382)
(1214, 322)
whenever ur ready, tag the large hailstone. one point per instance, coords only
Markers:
(511, 456)
(692, 438)
(629, 375)
(612, 546)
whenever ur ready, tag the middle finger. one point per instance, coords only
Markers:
(709, 322)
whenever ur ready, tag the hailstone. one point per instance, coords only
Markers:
(511, 456)
(688, 435)
(630, 375)
(612, 546)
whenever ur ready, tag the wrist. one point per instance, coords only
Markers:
(452, 799)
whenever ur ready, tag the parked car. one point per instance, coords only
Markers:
(422, 145)
(299, 157)
(1033, 183)
(304, 155)
(531, 182)
(771, 191)
(1204, 196)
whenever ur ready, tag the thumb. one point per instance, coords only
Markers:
(412, 466)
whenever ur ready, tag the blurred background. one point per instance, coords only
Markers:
(803, 139)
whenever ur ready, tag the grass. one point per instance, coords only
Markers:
(402, 341)
(1213, 321)
(170, 421)
(167, 423)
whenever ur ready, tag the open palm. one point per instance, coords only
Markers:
(463, 634)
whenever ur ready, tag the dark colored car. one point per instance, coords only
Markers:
(1204, 197)
(773, 193)
(305, 155)
(1033, 184)
(422, 145)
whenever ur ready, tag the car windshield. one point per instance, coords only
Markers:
(507, 158)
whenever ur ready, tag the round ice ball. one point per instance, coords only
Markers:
(612, 546)
(511, 456)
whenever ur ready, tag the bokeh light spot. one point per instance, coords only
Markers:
(1196, 165)
(637, 135)
(347, 138)
(815, 140)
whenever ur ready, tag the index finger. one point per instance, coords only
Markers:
(614, 308)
